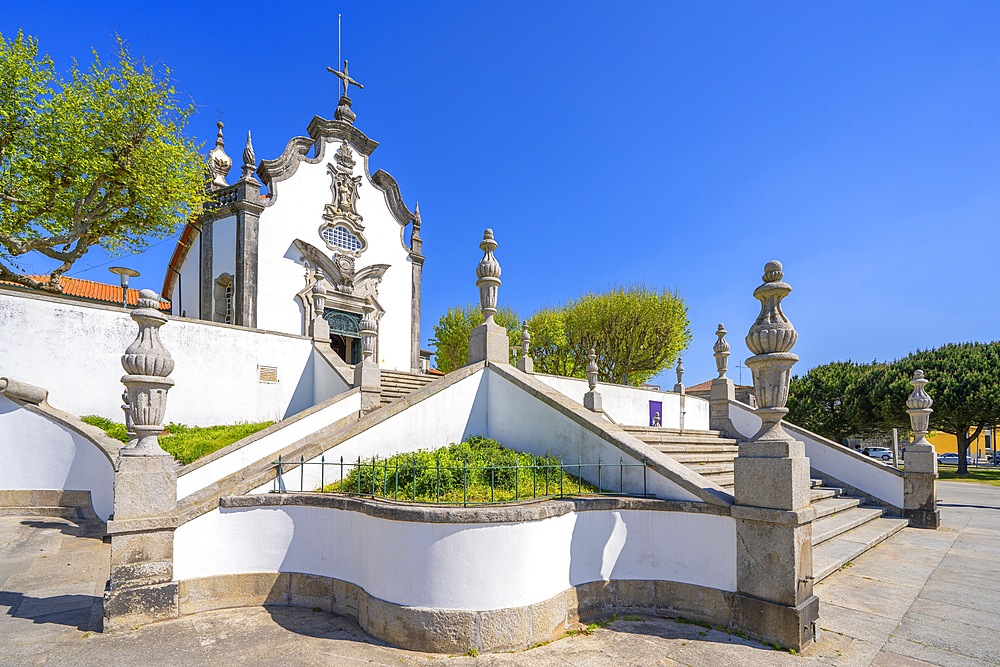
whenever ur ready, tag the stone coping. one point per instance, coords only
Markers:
(662, 464)
(513, 512)
(620, 386)
(106, 444)
(9, 290)
(273, 428)
(455, 631)
(335, 363)
(867, 460)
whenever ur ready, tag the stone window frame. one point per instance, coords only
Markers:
(223, 299)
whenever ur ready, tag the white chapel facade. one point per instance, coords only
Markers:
(326, 240)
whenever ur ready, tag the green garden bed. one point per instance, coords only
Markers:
(186, 443)
(478, 470)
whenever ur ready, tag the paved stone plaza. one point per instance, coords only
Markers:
(923, 597)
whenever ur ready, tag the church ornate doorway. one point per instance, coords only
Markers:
(345, 338)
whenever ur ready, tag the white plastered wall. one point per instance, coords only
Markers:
(74, 350)
(848, 466)
(630, 405)
(297, 212)
(476, 566)
(38, 453)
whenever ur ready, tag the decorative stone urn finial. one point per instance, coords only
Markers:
(919, 408)
(488, 277)
(771, 339)
(680, 370)
(592, 370)
(249, 160)
(368, 328)
(319, 293)
(525, 339)
(147, 364)
(219, 162)
(721, 349)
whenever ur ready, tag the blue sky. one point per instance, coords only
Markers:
(678, 144)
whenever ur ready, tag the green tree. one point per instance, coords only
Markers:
(826, 400)
(95, 156)
(964, 383)
(451, 334)
(635, 331)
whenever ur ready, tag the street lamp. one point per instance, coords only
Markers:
(124, 273)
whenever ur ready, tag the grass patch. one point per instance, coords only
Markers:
(185, 443)
(478, 470)
(982, 475)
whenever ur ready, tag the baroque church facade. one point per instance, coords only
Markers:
(325, 243)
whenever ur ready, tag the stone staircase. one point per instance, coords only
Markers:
(397, 384)
(844, 527)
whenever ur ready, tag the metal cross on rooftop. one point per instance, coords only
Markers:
(345, 78)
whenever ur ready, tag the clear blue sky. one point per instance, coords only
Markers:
(678, 144)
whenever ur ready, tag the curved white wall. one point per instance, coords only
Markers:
(461, 565)
(215, 371)
(629, 406)
(38, 453)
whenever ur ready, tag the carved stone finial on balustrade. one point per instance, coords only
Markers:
(147, 364)
(488, 277)
(592, 399)
(219, 163)
(592, 370)
(368, 328)
(679, 387)
(919, 408)
(127, 409)
(249, 160)
(526, 363)
(771, 339)
(721, 349)
(319, 293)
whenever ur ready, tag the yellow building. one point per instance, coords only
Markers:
(946, 442)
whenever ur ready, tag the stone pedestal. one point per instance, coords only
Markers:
(720, 393)
(919, 492)
(526, 364)
(592, 401)
(489, 342)
(368, 377)
(321, 330)
(142, 589)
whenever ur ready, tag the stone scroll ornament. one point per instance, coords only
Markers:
(147, 364)
(771, 339)
(488, 277)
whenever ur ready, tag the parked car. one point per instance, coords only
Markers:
(878, 453)
(952, 458)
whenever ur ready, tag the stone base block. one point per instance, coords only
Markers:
(526, 365)
(370, 400)
(592, 401)
(127, 608)
(489, 342)
(923, 518)
(777, 483)
(145, 486)
(789, 627)
(368, 376)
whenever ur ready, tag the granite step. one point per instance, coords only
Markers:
(839, 523)
(703, 457)
(821, 492)
(835, 553)
(827, 506)
(681, 448)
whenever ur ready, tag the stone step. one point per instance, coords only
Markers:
(819, 493)
(725, 481)
(828, 506)
(813, 483)
(668, 439)
(833, 554)
(839, 523)
(709, 469)
(71, 513)
(694, 449)
(703, 457)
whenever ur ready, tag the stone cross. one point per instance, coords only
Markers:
(147, 364)
(721, 349)
(488, 277)
(345, 79)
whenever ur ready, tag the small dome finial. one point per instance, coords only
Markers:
(219, 163)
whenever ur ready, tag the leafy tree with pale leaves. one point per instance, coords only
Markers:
(93, 157)
(636, 332)
(452, 332)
